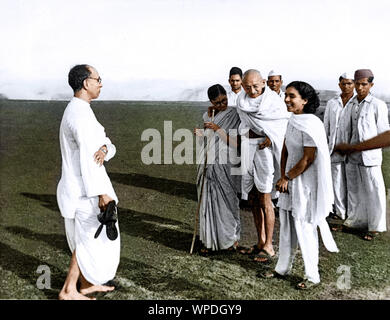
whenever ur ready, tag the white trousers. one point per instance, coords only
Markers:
(292, 233)
(339, 188)
(366, 198)
(98, 259)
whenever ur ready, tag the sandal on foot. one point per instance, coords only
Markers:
(336, 227)
(252, 250)
(271, 274)
(334, 216)
(306, 285)
(263, 254)
(369, 236)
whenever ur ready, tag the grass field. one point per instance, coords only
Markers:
(156, 216)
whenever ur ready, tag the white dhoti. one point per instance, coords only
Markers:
(339, 188)
(258, 169)
(366, 198)
(98, 259)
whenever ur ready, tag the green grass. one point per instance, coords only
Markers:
(156, 214)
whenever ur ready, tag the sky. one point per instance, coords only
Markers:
(175, 49)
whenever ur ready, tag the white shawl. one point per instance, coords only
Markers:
(313, 126)
(269, 116)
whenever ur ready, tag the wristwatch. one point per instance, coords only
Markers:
(104, 150)
(288, 178)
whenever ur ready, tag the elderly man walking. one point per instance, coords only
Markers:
(366, 188)
(264, 120)
(337, 114)
(85, 190)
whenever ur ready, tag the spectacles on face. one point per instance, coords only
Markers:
(99, 80)
(220, 103)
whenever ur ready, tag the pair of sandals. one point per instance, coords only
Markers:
(260, 255)
(303, 285)
(108, 218)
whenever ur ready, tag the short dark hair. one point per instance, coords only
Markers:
(215, 91)
(306, 91)
(77, 75)
(235, 70)
(370, 79)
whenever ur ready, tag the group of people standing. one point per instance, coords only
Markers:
(291, 159)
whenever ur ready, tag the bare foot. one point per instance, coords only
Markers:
(72, 295)
(96, 288)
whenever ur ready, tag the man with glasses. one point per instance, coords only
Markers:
(85, 189)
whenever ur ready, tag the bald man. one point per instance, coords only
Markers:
(263, 125)
(337, 114)
(366, 188)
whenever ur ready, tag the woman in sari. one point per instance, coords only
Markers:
(219, 212)
(306, 186)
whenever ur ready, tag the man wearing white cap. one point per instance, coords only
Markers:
(275, 82)
(235, 81)
(366, 188)
(335, 121)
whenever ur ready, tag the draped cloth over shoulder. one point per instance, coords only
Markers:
(313, 126)
(269, 116)
(219, 212)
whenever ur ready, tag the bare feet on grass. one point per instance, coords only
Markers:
(72, 295)
(96, 288)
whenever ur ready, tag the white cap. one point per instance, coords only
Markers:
(347, 75)
(274, 73)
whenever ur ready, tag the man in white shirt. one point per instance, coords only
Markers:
(337, 114)
(235, 81)
(366, 188)
(85, 190)
(275, 82)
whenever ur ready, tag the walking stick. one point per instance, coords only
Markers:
(201, 191)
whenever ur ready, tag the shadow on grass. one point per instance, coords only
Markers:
(157, 280)
(167, 232)
(57, 241)
(154, 228)
(25, 267)
(167, 186)
(49, 200)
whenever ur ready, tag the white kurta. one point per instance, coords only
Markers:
(309, 200)
(336, 127)
(232, 97)
(366, 191)
(82, 181)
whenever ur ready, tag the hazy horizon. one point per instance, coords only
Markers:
(167, 50)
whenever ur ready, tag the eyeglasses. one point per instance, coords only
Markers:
(219, 103)
(99, 80)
